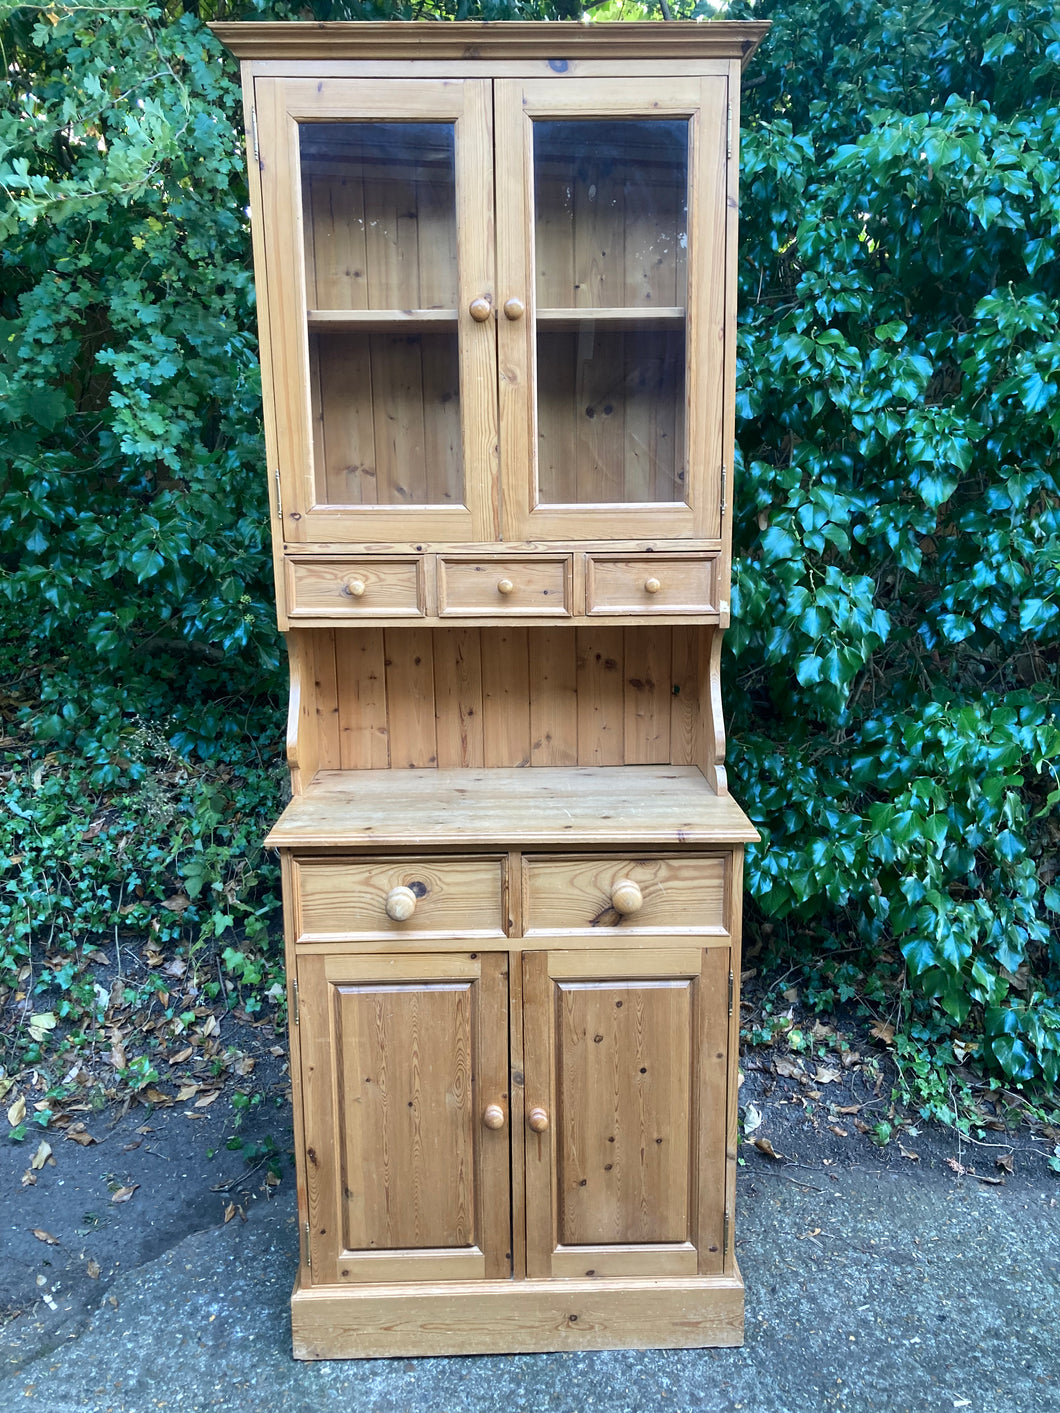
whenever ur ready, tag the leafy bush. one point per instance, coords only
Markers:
(893, 681)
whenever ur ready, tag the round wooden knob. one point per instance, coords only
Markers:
(514, 308)
(479, 309)
(626, 897)
(355, 588)
(400, 903)
(505, 586)
(538, 1120)
(493, 1116)
(652, 586)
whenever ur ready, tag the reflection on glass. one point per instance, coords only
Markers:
(379, 215)
(610, 417)
(386, 417)
(611, 212)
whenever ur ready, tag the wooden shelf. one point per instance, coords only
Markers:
(670, 317)
(369, 319)
(592, 806)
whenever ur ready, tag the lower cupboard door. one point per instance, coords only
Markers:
(404, 1075)
(627, 1073)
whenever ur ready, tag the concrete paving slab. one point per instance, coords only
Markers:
(869, 1290)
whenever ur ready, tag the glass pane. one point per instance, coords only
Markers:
(386, 417)
(611, 246)
(611, 213)
(379, 214)
(610, 414)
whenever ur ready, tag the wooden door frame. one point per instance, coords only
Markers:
(517, 103)
(280, 104)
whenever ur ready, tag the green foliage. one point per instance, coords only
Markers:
(897, 593)
(893, 694)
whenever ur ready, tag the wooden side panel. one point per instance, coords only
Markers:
(647, 696)
(684, 707)
(623, 1118)
(711, 1106)
(325, 699)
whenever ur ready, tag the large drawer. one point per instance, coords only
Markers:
(568, 894)
(343, 899)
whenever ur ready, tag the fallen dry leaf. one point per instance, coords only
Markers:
(824, 1074)
(839, 1132)
(861, 1127)
(272, 1179)
(883, 1032)
(155, 1096)
(92, 1270)
(1006, 1163)
(233, 1211)
(991, 1181)
(79, 1134)
(206, 1099)
(124, 1193)
(957, 1167)
(17, 1112)
(43, 1153)
(908, 1153)
(764, 1146)
(186, 1092)
(211, 1027)
(117, 1056)
(789, 1069)
(181, 1056)
(177, 904)
(849, 1109)
(45, 1236)
(752, 1119)
(849, 1058)
(177, 967)
(29, 1178)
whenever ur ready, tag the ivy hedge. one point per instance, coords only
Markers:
(892, 676)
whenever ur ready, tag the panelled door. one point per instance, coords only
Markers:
(626, 1081)
(611, 203)
(404, 1065)
(378, 207)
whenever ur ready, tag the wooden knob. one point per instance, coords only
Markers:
(355, 588)
(493, 1116)
(538, 1120)
(514, 308)
(652, 586)
(626, 897)
(505, 586)
(479, 309)
(400, 903)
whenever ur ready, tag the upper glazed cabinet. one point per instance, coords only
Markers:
(497, 306)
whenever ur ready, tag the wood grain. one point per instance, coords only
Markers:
(343, 899)
(565, 895)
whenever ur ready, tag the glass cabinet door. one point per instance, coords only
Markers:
(611, 258)
(378, 209)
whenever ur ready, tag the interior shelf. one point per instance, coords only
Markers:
(642, 805)
(379, 318)
(671, 316)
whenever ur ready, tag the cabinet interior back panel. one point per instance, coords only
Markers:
(508, 696)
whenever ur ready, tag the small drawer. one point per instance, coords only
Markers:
(339, 900)
(538, 587)
(652, 583)
(354, 588)
(686, 894)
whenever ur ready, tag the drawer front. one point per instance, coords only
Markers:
(505, 588)
(651, 584)
(354, 588)
(687, 894)
(345, 899)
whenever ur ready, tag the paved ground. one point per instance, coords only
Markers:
(870, 1287)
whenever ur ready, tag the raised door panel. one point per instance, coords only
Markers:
(611, 234)
(377, 198)
(626, 1059)
(401, 1058)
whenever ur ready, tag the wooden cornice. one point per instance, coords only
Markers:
(477, 39)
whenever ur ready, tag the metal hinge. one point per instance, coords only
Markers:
(728, 138)
(732, 981)
(725, 1233)
(724, 470)
(279, 499)
(294, 997)
(254, 133)
(309, 1256)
